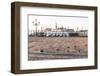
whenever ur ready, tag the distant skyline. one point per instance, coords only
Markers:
(45, 21)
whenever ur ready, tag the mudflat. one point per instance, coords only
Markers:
(44, 48)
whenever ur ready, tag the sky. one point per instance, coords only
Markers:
(49, 21)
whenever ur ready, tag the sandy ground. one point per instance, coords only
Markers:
(42, 48)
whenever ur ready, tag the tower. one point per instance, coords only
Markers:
(56, 25)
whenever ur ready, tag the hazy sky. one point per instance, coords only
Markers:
(50, 21)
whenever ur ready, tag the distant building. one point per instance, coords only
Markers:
(47, 29)
(70, 30)
(83, 33)
(59, 32)
(83, 30)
